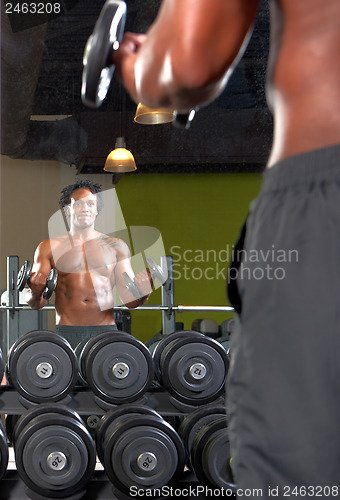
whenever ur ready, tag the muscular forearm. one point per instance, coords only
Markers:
(133, 304)
(34, 300)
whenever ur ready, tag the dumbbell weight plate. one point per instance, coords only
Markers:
(183, 120)
(227, 327)
(154, 341)
(194, 370)
(193, 422)
(112, 416)
(77, 352)
(42, 366)
(10, 424)
(23, 275)
(208, 326)
(143, 451)
(210, 455)
(117, 367)
(91, 422)
(3, 451)
(42, 409)
(225, 342)
(55, 457)
(163, 344)
(157, 271)
(2, 367)
(131, 286)
(51, 283)
(98, 68)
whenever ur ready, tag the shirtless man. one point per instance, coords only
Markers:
(89, 264)
(283, 386)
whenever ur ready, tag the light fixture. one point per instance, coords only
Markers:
(120, 159)
(153, 116)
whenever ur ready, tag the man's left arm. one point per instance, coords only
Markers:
(142, 280)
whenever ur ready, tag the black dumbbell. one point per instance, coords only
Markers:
(10, 423)
(106, 421)
(42, 366)
(191, 366)
(3, 451)
(42, 409)
(205, 439)
(91, 422)
(156, 273)
(117, 367)
(24, 276)
(54, 453)
(98, 68)
(227, 327)
(194, 421)
(210, 455)
(2, 366)
(139, 448)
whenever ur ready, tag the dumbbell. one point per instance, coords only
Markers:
(42, 366)
(24, 276)
(117, 367)
(2, 366)
(3, 451)
(208, 326)
(137, 447)
(227, 327)
(191, 366)
(91, 422)
(11, 420)
(156, 272)
(205, 438)
(98, 68)
(54, 453)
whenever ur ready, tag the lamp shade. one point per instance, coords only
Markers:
(120, 159)
(153, 116)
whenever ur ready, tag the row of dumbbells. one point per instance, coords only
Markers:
(118, 368)
(56, 455)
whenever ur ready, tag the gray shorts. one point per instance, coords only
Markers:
(283, 387)
(75, 334)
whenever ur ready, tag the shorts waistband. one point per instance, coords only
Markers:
(86, 330)
(318, 165)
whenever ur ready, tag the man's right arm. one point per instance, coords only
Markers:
(37, 281)
(188, 54)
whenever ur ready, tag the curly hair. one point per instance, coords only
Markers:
(81, 184)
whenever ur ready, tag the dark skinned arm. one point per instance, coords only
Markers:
(188, 54)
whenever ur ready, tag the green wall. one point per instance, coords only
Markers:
(199, 217)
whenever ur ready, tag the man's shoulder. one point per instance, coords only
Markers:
(116, 244)
(48, 244)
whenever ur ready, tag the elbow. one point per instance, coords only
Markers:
(132, 304)
(185, 82)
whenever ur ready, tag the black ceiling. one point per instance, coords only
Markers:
(232, 134)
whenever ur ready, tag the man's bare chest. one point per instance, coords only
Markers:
(91, 256)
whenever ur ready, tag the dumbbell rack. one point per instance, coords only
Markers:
(85, 403)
